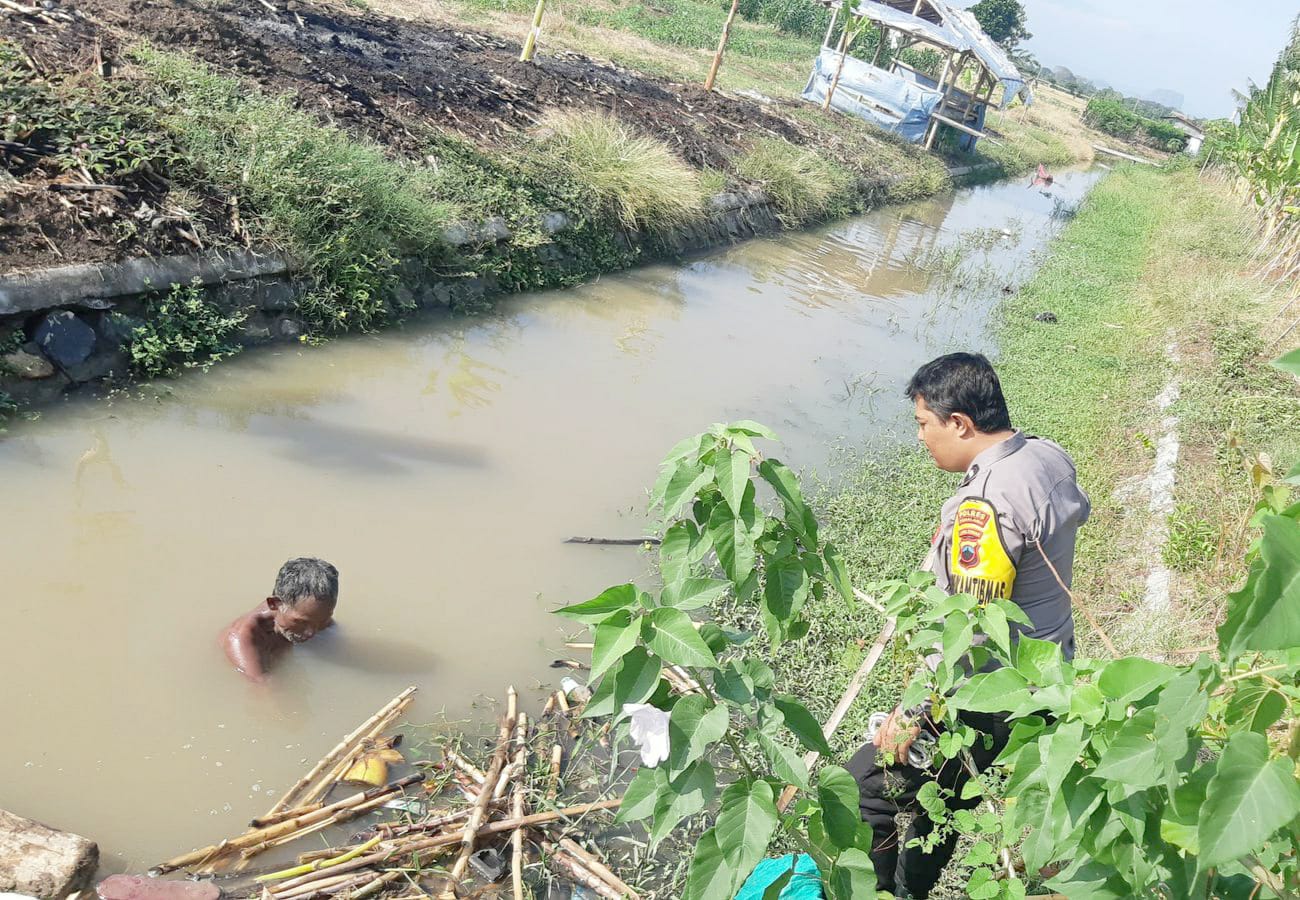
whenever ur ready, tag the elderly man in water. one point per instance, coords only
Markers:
(301, 605)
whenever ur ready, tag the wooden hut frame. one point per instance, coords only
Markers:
(924, 23)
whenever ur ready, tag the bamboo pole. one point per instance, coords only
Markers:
(846, 701)
(932, 130)
(398, 849)
(321, 886)
(830, 29)
(530, 43)
(722, 46)
(337, 818)
(844, 53)
(392, 830)
(290, 797)
(284, 815)
(880, 44)
(316, 865)
(470, 835)
(464, 765)
(331, 778)
(574, 870)
(599, 868)
(553, 779)
(374, 886)
(289, 826)
(517, 808)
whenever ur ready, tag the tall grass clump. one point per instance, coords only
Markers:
(803, 185)
(1023, 146)
(1262, 153)
(637, 178)
(343, 209)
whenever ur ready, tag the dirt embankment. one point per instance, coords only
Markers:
(390, 80)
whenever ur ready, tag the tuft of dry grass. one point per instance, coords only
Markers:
(803, 184)
(637, 177)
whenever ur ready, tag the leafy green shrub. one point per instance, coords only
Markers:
(720, 541)
(67, 125)
(1163, 135)
(803, 184)
(793, 16)
(1114, 118)
(182, 329)
(1111, 117)
(339, 205)
(638, 178)
(928, 62)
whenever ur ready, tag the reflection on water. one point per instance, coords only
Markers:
(439, 467)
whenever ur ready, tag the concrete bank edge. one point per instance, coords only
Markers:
(267, 283)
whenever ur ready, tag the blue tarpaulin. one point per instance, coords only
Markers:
(890, 99)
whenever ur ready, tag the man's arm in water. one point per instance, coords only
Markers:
(242, 651)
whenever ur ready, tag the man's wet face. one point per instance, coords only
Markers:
(301, 621)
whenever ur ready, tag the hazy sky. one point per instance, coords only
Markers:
(1199, 48)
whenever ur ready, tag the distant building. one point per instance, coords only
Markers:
(1195, 133)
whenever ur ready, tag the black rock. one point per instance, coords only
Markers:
(1047, 316)
(65, 339)
(117, 329)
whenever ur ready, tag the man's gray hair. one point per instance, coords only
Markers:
(307, 577)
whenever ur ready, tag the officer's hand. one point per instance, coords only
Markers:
(897, 735)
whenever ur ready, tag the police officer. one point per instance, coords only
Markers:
(1007, 532)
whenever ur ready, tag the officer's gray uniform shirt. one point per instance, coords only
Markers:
(1030, 485)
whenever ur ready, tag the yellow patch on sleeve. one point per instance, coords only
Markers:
(980, 565)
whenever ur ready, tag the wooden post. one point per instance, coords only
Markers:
(943, 99)
(530, 44)
(947, 64)
(722, 45)
(884, 36)
(830, 29)
(844, 52)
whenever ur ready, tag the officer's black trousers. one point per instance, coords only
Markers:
(885, 792)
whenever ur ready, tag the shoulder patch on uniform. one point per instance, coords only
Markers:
(980, 565)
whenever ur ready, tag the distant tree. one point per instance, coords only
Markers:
(1002, 20)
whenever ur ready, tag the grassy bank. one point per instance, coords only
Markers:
(1151, 258)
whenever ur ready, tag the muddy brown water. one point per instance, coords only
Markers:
(440, 467)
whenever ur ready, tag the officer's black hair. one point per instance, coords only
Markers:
(962, 383)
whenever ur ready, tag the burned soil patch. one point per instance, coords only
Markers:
(390, 78)
(399, 83)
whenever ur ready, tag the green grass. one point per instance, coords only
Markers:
(1021, 147)
(803, 185)
(338, 204)
(639, 178)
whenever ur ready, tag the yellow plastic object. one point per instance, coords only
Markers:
(371, 767)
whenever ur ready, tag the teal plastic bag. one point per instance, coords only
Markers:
(805, 885)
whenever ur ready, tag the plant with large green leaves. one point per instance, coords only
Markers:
(1121, 778)
(720, 542)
